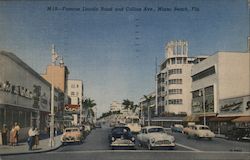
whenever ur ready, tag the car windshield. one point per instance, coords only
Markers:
(121, 129)
(204, 128)
(71, 130)
(152, 130)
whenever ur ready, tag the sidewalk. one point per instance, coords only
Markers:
(22, 148)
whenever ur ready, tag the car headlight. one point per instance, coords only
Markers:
(113, 139)
(133, 139)
(152, 140)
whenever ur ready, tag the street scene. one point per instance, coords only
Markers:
(125, 80)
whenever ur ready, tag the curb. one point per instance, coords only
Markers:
(31, 152)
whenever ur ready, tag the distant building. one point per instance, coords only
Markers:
(174, 79)
(57, 74)
(75, 92)
(116, 106)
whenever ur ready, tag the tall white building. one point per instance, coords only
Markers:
(174, 79)
(76, 93)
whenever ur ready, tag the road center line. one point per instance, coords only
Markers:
(187, 147)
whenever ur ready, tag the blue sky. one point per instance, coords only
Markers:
(114, 52)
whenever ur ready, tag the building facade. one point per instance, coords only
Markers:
(75, 92)
(24, 94)
(174, 80)
(221, 87)
(116, 106)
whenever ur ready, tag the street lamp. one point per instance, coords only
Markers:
(52, 119)
(202, 93)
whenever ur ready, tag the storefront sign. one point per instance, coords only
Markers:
(15, 89)
(231, 106)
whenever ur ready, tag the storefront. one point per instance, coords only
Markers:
(24, 95)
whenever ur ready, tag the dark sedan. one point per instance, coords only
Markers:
(240, 133)
(121, 136)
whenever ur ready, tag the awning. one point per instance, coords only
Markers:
(242, 119)
(191, 118)
(221, 119)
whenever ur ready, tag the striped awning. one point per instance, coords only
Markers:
(221, 119)
(242, 119)
(191, 118)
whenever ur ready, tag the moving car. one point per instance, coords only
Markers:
(177, 128)
(239, 133)
(200, 131)
(71, 135)
(121, 136)
(133, 123)
(155, 137)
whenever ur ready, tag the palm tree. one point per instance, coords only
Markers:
(126, 103)
(88, 104)
(148, 99)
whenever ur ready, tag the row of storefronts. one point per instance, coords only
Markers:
(25, 96)
(212, 90)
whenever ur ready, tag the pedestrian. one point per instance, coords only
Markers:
(31, 138)
(36, 137)
(4, 132)
(17, 128)
(13, 136)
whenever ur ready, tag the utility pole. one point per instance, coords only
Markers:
(52, 119)
(156, 88)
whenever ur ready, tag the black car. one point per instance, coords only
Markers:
(121, 136)
(239, 133)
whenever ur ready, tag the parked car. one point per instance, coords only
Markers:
(155, 137)
(71, 135)
(239, 133)
(200, 131)
(177, 128)
(187, 129)
(121, 136)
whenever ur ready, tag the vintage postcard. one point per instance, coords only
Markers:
(125, 79)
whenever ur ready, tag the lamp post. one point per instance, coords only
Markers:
(204, 107)
(52, 118)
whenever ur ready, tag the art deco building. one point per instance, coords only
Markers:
(174, 79)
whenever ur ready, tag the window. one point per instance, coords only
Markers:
(175, 81)
(179, 60)
(175, 101)
(72, 93)
(174, 71)
(204, 73)
(175, 91)
(72, 85)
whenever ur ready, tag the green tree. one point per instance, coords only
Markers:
(148, 99)
(88, 104)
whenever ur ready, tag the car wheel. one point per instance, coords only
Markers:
(149, 146)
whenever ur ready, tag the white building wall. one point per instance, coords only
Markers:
(75, 91)
(178, 50)
(234, 74)
(231, 78)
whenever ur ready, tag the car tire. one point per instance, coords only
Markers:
(149, 146)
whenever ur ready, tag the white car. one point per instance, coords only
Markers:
(71, 135)
(155, 137)
(200, 131)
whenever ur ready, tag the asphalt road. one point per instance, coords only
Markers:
(96, 147)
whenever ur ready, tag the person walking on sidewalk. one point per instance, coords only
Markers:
(17, 128)
(13, 136)
(31, 139)
(4, 132)
(36, 137)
